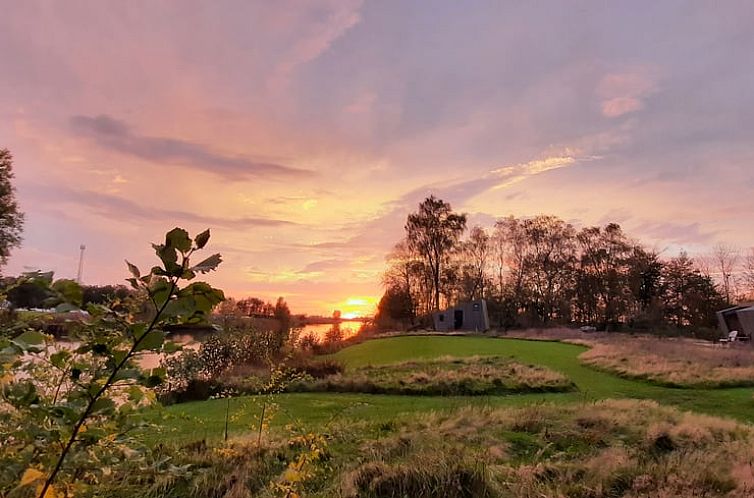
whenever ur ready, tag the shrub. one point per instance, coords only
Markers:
(69, 414)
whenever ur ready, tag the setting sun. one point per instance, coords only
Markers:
(357, 307)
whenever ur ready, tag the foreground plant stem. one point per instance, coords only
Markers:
(261, 423)
(110, 380)
(227, 412)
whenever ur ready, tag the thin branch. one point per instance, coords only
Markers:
(101, 391)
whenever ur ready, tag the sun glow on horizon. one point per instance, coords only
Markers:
(357, 307)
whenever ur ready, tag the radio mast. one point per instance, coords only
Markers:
(81, 263)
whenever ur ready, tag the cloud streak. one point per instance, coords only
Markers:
(114, 134)
(118, 208)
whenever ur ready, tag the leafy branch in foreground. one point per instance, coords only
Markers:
(68, 407)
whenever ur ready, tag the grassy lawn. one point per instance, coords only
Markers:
(199, 420)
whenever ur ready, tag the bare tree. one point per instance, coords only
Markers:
(747, 273)
(475, 254)
(725, 259)
(499, 253)
(406, 275)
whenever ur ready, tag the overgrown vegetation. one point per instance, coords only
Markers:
(197, 374)
(674, 363)
(606, 449)
(446, 376)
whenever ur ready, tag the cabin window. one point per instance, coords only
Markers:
(442, 317)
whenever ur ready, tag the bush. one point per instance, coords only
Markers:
(217, 357)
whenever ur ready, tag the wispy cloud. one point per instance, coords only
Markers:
(510, 175)
(114, 134)
(118, 208)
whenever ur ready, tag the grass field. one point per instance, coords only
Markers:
(199, 420)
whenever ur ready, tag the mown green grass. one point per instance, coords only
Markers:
(206, 419)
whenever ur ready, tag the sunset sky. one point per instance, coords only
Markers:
(302, 133)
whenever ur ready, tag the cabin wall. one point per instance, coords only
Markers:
(471, 316)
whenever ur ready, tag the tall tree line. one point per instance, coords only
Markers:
(543, 270)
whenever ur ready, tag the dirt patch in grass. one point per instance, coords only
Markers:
(445, 376)
(674, 363)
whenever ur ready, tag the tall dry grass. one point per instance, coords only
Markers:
(676, 363)
(607, 449)
(443, 376)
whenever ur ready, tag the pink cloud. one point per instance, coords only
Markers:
(620, 105)
(624, 92)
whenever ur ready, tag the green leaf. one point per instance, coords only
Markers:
(179, 239)
(135, 394)
(31, 337)
(103, 405)
(160, 290)
(156, 270)
(202, 239)
(183, 306)
(205, 296)
(127, 373)
(171, 347)
(119, 355)
(209, 264)
(58, 359)
(133, 269)
(20, 394)
(167, 254)
(152, 341)
(137, 330)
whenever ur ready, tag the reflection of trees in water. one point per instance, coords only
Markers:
(321, 330)
(334, 334)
